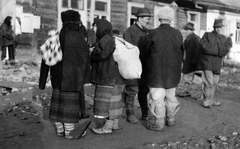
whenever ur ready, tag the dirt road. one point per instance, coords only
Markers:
(24, 123)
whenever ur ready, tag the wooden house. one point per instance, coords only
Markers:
(34, 18)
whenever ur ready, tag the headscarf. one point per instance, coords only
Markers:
(7, 21)
(103, 27)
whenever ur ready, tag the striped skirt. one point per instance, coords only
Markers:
(108, 101)
(65, 106)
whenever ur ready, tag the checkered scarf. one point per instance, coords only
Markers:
(51, 50)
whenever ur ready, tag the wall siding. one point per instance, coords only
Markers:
(118, 15)
(48, 11)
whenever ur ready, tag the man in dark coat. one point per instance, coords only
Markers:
(215, 47)
(192, 50)
(135, 35)
(164, 59)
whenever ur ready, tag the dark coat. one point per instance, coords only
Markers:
(70, 73)
(7, 35)
(164, 56)
(215, 47)
(135, 35)
(104, 68)
(192, 47)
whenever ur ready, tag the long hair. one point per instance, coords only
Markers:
(7, 21)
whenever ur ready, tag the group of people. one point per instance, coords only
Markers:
(7, 41)
(205, 55)
(161, 55)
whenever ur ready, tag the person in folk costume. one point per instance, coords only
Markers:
(192, 52)
(163, 51)
(215, 48)
(106, 77)
(68, 79)
(8, 40)
(135, 35)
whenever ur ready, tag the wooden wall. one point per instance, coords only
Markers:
(118, 15)
(48, 11)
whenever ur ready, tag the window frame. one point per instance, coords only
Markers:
(130, 16)
(102, 13)
(237, 38)
(69, 2)
(197, 22)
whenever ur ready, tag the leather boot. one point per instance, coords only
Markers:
(157, 126)
(170, 118)
(145, 113)
(207, 103)
(105, 129)
(131, 117)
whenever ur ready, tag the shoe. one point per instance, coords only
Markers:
(69, 137)
(215, 103)
(79, 130)
(132, 119)
(61, 134)
(170, 115)
(155, 127)
(207, 104)
(145, 113)
(184, 94)
(170, 121)
(105, 129)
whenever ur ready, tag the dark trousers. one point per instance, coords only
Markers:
(129, 93)
(142, 94)
(11, 52)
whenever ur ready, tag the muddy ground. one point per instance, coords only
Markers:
(24, 120)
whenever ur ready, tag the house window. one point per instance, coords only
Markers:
(194, 17)
(101, 6)
(237, 39)
(132, 11)
(101, 9)
(75, 4)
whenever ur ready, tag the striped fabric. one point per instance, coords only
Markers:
(65, 106)
(68, 128)
(59, 127)
(108, 101)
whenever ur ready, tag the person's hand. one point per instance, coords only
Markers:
(91, 49)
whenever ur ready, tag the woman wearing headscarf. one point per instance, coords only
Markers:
(8, 40)
(68, 78)
(106, 77)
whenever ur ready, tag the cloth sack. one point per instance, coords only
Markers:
(127, 57)
(51, 49)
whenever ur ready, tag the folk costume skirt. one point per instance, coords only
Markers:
(65, 106)
(108, 101)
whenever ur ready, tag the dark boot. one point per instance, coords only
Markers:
(144, 113)
(170, 116)
(157, 126)
(131, 117)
